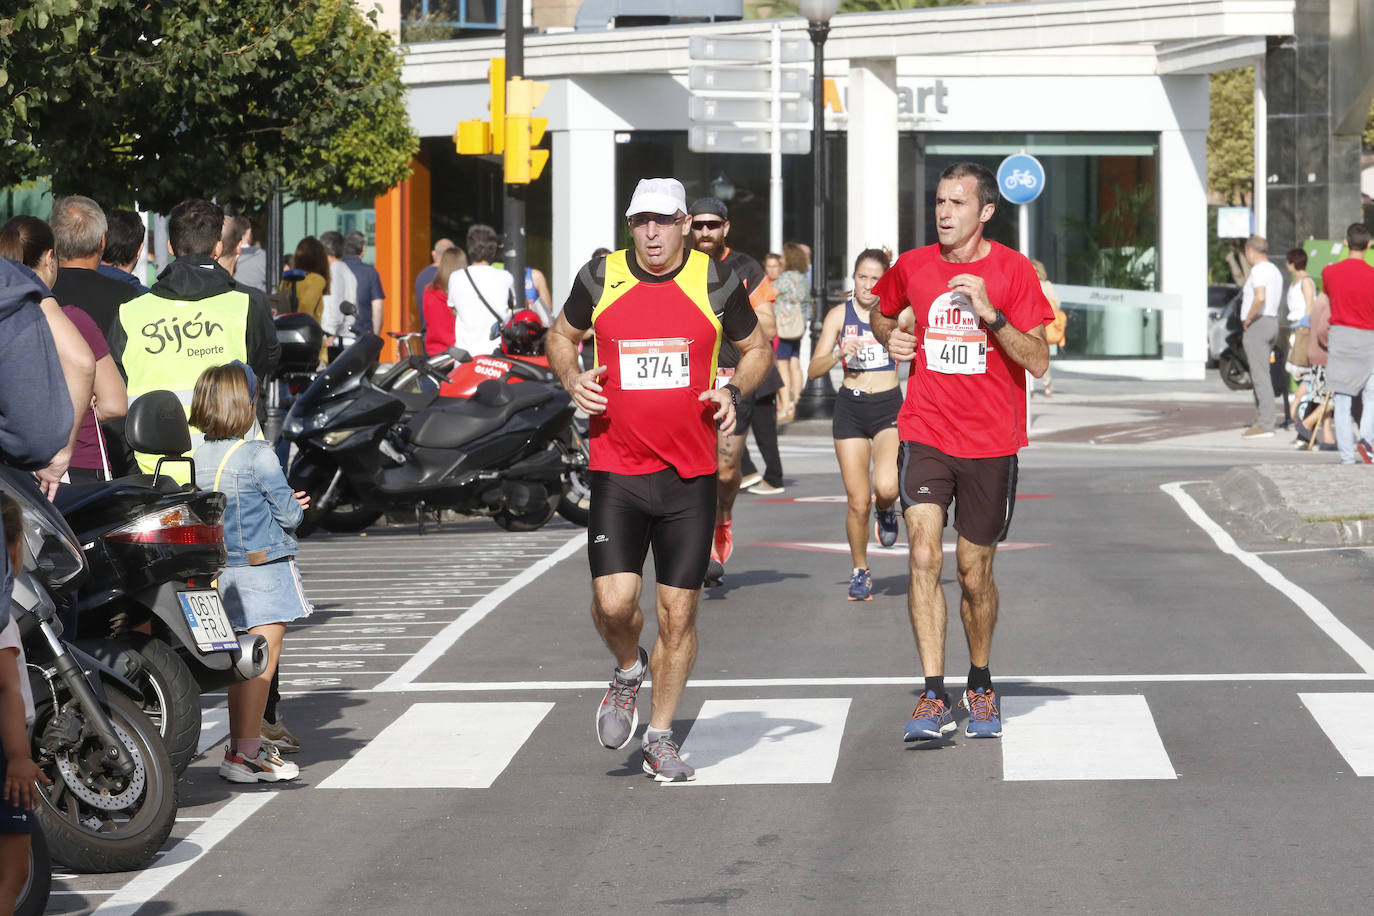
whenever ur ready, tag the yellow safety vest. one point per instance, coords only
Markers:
(172, 341)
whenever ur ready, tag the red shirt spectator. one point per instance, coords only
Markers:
(1350, 285)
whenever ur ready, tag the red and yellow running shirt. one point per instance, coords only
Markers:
(659, 338)
(963, 397)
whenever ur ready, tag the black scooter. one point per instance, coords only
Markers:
(147, 607)
(113, 796)
(507, 452)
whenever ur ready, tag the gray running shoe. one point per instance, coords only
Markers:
(715, 572)
(617, 717)
(662, 762)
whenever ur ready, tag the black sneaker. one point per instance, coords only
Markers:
(617, 716)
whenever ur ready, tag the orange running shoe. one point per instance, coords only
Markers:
(724, 542)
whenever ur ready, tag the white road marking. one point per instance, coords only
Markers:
(898, 681)
(444, 640)
(1266, 553)
(1348, 720)
(214, 728)
(1318, 613)
(448, 746)
(1081, 737)
(147, 884)
(765, 742)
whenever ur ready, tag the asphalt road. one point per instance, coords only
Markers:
(1187, 703)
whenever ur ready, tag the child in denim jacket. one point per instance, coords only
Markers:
(261, 585)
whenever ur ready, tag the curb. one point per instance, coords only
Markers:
(1250, 492)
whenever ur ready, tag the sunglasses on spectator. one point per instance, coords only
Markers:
(711, 224)
(640, 220)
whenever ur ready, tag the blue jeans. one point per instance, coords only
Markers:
(1345, 432)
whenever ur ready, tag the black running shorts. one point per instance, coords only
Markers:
(13, 819)
(632, 512)
(860, 415)
(983, 490)
(744, 415)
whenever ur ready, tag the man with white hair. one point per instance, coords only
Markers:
(659, 313)
(78, 228)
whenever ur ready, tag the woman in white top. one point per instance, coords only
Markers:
(480, 295)
(1302, 291)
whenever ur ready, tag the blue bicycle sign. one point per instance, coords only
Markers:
(1021, 178)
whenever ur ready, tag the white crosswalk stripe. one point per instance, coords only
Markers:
(759, 742)
(1081, 737)
(1348, 720)
(448, 745)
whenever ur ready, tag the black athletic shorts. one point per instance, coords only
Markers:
(860, 415)
(13, 819)
(632, 512)
(744, 415)
(983, 490)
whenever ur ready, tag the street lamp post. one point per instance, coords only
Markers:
(818, 397)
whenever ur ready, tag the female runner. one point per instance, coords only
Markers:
(865, 418)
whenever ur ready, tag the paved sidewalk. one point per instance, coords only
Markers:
(1300, 496)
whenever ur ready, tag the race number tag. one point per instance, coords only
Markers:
(956, 352)
(647, 365)
(723, 376)
(871, 355)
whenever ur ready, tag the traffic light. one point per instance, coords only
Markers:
(523, 132)
(496, 78)
(480, 138)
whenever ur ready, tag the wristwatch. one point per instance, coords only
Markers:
(734, 394)
(997, 323)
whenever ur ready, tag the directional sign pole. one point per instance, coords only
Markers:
(775, 156)
(514, 255)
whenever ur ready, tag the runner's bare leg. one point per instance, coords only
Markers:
(675, 651)
(979, 602)
(616, 613)
(925, 598)
(729, 451)
(853, 455)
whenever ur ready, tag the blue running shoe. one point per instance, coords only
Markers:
(888, 525)
(984, 719)
(932, 719)
(861, 586)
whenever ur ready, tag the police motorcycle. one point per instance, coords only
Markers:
(113, 799)
(148, 608)
(364, 448)
(520, 358)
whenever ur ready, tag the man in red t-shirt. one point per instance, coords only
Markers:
(659, 316)
(970, 316)
(1349, 284)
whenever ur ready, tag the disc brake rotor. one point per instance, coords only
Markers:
(100, 798)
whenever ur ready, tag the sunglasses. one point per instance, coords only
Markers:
(711, 224)
(640, 220)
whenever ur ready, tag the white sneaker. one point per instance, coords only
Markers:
(764, 488)
(266, 767)
(749, 481)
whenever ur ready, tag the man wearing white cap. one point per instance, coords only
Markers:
(659, 313)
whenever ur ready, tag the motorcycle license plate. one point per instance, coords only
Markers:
(209, 624)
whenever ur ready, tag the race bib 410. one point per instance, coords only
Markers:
(956, 352)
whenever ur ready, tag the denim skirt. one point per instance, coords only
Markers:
(270, 593)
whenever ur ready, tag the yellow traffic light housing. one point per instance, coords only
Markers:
(496, 78)
(473, 138)
(523, 132)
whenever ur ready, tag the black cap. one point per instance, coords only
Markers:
(713, 205)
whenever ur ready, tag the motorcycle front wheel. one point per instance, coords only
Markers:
(95, 818)
(575, 502)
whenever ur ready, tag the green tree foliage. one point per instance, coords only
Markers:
(218, 98)
(1231, 136)
(1369, 130)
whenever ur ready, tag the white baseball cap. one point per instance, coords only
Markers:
(658, 195)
